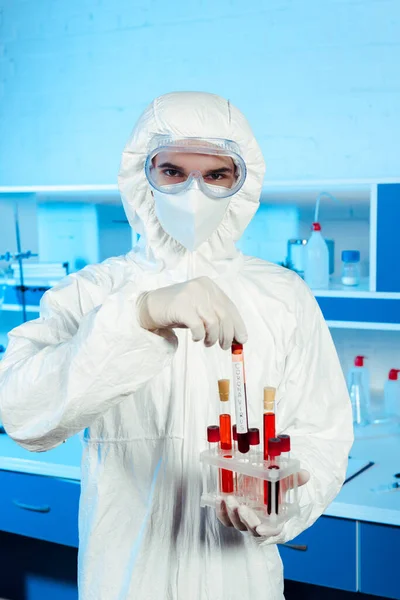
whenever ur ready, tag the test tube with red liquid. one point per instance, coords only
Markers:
(274, 451)
(254, 485)
(226, 433)
(213, 438)
(239, 389)
(269, 426)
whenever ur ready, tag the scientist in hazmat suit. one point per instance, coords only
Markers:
(117, 352)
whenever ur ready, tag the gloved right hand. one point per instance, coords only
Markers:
(199, 305)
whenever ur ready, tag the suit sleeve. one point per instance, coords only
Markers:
(63, 370)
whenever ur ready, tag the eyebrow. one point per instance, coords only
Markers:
(168, 165)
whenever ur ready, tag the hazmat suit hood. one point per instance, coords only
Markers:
(182, 115)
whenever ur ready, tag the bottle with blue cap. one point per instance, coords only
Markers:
(351, 267)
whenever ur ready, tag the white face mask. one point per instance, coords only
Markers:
(190, 217)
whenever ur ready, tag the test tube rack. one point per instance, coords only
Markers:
(250, 470)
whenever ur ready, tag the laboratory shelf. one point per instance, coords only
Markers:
(18, 308)
(364, 310)
(363, 325)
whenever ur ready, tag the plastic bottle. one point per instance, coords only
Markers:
(351, 267)
(392, 394)
(358, 399)
(359, 367)
(316, 272)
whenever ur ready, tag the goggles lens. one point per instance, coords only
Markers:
(213, 165)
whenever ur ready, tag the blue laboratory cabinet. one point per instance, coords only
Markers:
(387, 238)
(324, 554)
(379, 560)
(38, 537)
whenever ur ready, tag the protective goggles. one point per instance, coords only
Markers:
(213, 165)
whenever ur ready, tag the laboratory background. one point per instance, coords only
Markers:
(319, 84)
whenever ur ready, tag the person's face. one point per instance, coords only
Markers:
(175, 167)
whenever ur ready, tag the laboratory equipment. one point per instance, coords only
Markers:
(391, 394)
(239, 387)
(234, 437)
(351, 267)
(274, 451)
(331, 251)
(225, 431)
(280, 507)
(213, 437)
(316, 273)
(358, 399)
(268, 424)
(254, 442)
(285, 445)
(386, 487)
(296, 255)
(360, 367)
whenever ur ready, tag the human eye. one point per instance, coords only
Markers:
(172, 173)
(215, 176)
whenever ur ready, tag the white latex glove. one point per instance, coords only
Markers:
(199, 305)
(243, 518)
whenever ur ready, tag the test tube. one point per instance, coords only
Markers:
(254, 442)
(286, 495)
(254, 484)
(213, 438)
(274, 451)
(285, 445)
(239, 387)
(234, 437)
(225, 432)
(269, 426)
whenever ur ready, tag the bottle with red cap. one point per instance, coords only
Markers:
(316, 271)
(392, 394)
(358, 399)
(360, 367)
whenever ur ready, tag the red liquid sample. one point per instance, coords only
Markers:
(243, 442)
(269, 432)
(226, 444)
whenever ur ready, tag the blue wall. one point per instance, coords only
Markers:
(318, 81)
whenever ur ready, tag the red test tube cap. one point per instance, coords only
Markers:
(234, 432)
(213, 433)
(274, 447)
(359, 361)
(237, 348)
(254, 436)
(285, 442)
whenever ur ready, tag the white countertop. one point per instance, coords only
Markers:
(377, 443)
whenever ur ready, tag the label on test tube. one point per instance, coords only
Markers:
(239, 391)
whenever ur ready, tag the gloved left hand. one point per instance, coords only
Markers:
(243, 518)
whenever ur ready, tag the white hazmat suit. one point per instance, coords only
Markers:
(144, 401)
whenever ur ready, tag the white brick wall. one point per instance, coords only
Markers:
(319, 81)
